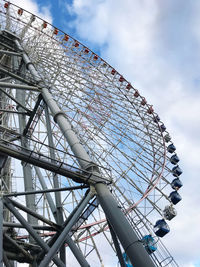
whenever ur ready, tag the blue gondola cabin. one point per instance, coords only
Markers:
(161, 228)
(149, 243)
(177, 171)
(175, 197)
(176, 184)
(171, 148)
(174, 159)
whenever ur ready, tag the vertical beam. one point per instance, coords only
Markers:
(28, 184)
(55, 179)
(8, 20)
(1, 232)
(61, 239)
(59, 211)
(4, 119)
(132, 246)
(48, 195)
(5, 172)
(27, 172)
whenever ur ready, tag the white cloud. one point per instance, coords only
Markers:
(154, 45)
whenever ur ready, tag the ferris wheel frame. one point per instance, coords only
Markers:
(89, 174)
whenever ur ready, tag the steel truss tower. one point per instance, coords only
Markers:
(82, 154)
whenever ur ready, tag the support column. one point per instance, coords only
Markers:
(132, 246)
(28, 178)
(55, 179)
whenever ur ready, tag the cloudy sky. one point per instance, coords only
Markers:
(155, 45)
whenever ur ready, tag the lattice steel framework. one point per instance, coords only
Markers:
(92, 151)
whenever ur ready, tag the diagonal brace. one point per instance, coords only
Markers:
(62, 238)
(33, 213)
(31, 231)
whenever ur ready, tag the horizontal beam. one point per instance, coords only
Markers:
(44, 162)
(14, 111)
(15, 194)
(9, 130)
(15, 76)
(37, 227)
(39, 161)
(7, 46)
(11, 53)
(19, 86)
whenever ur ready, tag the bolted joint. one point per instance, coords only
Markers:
(57, 114)
(28, 64)
(93, 190)
(97, 177)
(92, 167)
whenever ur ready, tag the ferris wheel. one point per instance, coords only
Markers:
(88, 169)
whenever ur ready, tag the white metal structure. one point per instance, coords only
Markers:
(79, 128)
